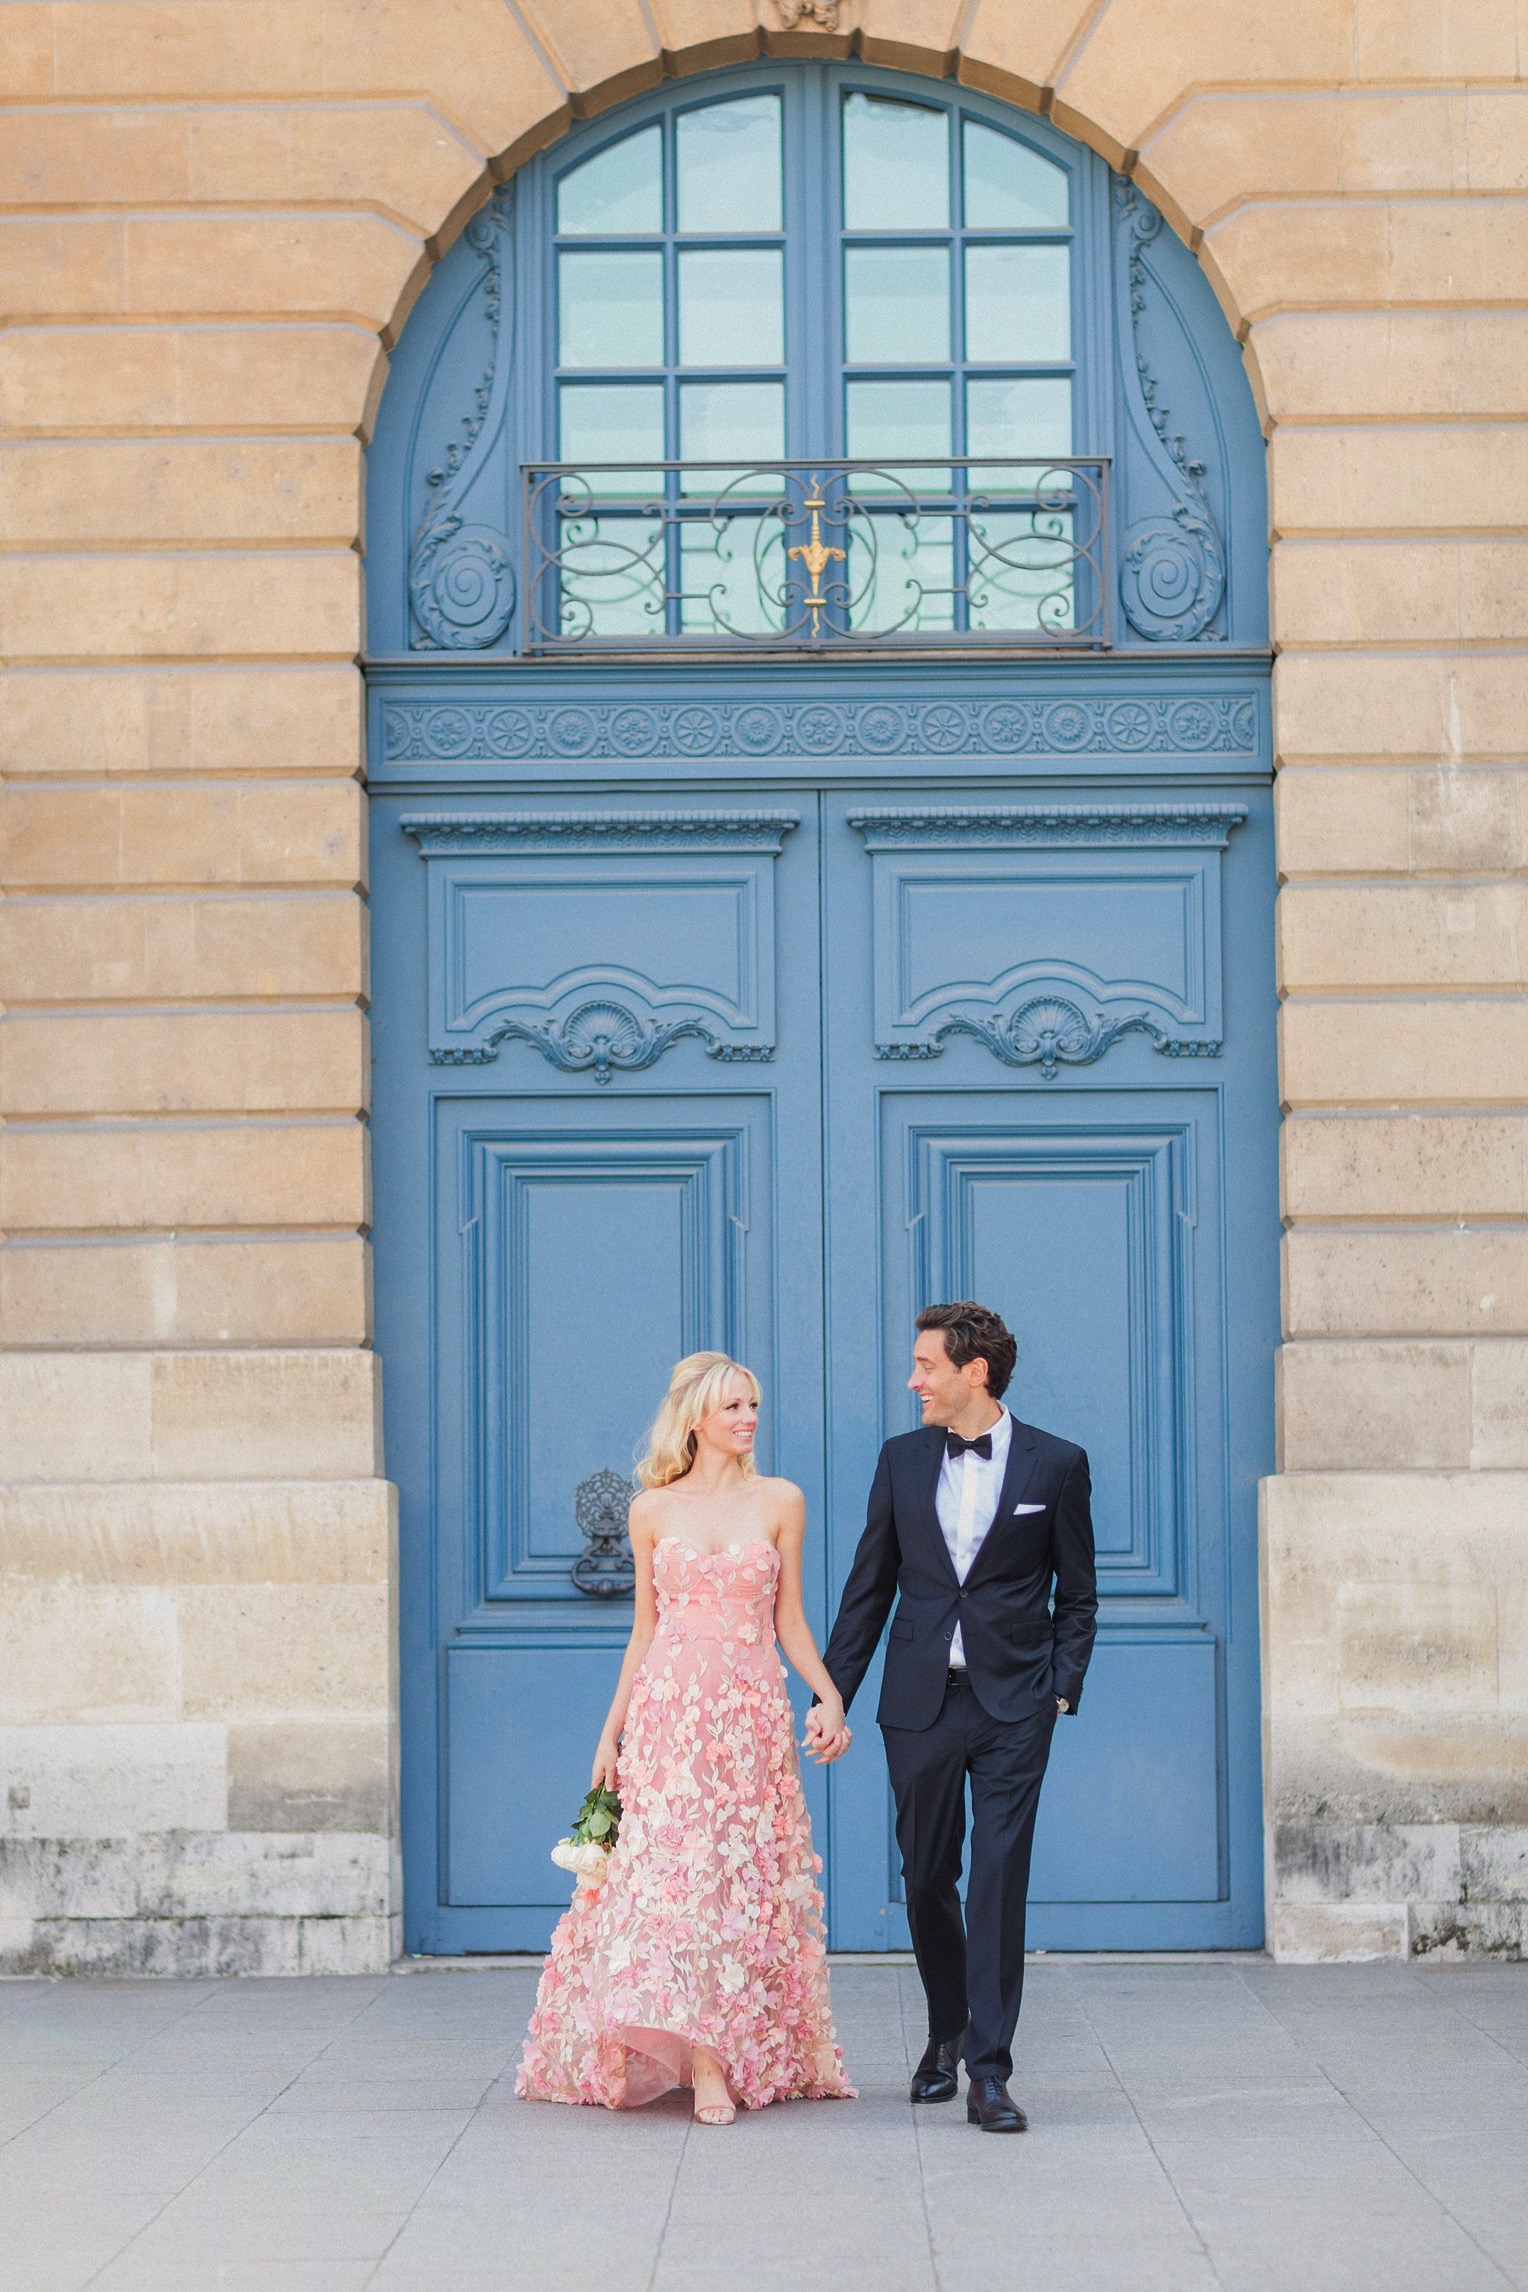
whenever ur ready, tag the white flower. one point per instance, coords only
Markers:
(592, 1863)
(589, 1861)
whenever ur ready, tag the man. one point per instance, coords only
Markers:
(971, 1521)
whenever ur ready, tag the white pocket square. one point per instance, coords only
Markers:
(1018, 1508)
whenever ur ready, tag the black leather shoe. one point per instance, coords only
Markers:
(935, 2077)
(990, 2105)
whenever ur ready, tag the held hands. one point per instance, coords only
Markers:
(828, 1734)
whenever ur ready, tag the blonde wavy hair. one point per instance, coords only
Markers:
(697, 1386)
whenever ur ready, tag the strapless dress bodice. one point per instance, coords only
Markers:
(727, 1595)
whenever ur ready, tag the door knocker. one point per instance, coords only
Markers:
(605, 1568)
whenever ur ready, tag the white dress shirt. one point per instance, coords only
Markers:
(966, 1502)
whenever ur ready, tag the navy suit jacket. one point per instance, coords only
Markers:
(1021, 1649)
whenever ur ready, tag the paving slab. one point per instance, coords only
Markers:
(1197, 2125)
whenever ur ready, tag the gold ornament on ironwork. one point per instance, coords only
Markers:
(816, 555)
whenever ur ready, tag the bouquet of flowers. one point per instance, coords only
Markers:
(586, 1849)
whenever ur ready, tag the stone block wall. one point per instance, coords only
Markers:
(196, 1661)
(214, 215)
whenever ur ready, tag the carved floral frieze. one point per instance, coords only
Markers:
(1123, 725)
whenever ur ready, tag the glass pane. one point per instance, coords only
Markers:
(730, 422)
(1018, 303)
(1022, 569)
(901, 571)
(1009, 187)
(610, 576)
(732, 575)
(896, 166)
(729, 166)
(611, 422)
(610, 309)
(731, 307)
(890, 421)
(620, 189)
(1029, 415)
(896, 305)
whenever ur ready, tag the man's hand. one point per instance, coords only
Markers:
(1062, 1704)
(828, 1734)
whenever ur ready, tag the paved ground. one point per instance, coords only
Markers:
(1195, 2124)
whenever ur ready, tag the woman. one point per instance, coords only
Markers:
(700, 1960)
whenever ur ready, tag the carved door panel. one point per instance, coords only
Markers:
(1049, 1042)
(601, 1086)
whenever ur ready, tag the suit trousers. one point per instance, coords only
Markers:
(971, 1968)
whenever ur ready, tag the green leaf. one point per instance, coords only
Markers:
(597, 1818)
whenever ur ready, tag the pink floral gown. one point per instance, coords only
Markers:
(708, 1928)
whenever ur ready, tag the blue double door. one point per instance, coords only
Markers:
(766, 1072)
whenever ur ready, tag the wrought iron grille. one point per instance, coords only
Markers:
(794, 556)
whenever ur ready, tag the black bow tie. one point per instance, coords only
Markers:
(981, 1446)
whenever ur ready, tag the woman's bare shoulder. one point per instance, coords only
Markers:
(784, 1494)
(647, 1508)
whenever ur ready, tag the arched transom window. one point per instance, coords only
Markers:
(878, 290)
(810, 356)
(950, 328)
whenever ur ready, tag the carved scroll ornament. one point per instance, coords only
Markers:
(601, 1039)
(461, 574)
(1049, 1032)
(1173, 566)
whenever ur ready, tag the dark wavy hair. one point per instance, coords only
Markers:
(974, 1332)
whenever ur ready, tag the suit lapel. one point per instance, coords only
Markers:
(929, 1470)
(1022, 1455)
(1017, 1475)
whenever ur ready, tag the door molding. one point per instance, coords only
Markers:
(1085, 890)
(600, 939)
